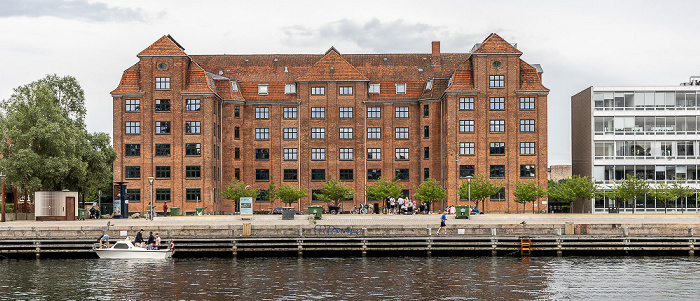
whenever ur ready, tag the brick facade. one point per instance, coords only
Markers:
(418, 101)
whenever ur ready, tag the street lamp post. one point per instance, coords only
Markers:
(469, 192)
(150, 210)
(99, 202)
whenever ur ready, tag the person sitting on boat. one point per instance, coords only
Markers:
(139, 238)
(151, 241)
(157, 247)
(104, 239)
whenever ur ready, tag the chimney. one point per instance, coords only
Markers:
(435, 56)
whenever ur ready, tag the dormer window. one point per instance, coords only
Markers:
(429, 84)
(262, 89)
(290, 89)
(374, 88)
(234, 86)
(401, 88)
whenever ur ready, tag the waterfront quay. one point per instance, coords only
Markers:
(369, 235)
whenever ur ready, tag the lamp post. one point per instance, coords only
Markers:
(469, 192)
(99, 202)
(150, 210)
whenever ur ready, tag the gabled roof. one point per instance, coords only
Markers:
(165, 46)
(530, 79)
(332, 67)
(463, 78)
(495, 44)
(198, 81)
(129, 82)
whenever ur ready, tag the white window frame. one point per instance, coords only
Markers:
(318, 154)
(374, 88)
(401, 153)
(466, 148)
(400, 88)
(290, 89)
(345, 154)
(290, 154)
(263, 89)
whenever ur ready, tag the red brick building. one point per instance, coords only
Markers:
(195, 122)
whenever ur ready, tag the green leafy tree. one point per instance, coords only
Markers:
(662, 192)
(527, 192)
(46, 145)
(481, 188)
(430, 191)
(334, 191)
(571, 189)
(383, 189)
(289, 194)
(680, 190)
(238, 189)
(630, 188)
(272, 191)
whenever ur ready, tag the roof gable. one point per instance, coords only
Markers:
(495, 44)
(332, 67)
(165, 46)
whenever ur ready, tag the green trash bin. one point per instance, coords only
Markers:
(81, 213)
(200, 211)
(462, 211)
(316, 211)
(174, 211)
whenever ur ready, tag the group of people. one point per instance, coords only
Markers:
(404, 206)
(94, 213)
(153, 241)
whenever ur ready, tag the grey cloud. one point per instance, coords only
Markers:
(78, 9)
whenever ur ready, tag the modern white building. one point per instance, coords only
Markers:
(650, 132)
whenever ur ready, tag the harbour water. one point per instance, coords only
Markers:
(354, 278)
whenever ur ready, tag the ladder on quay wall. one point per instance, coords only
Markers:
(525, 244)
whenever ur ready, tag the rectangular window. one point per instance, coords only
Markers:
(162, 172)
(262, 89)
(290, 154)
(162, 127)
(193, 194)
(193, 172)
(132, 150)
(289, 113)
(402, 154)
(374, 133)
(374, 112)
(466, 126)
(290, 88)
(466, 171)
(134, 195)
(426, 111)
(162, 194)
(290, 133)
(237, 173)
(466, 103)
(466, 148)
(345, 133)
(426, 173)
(497, 126)
(402, 174)
(345, 175)
(191, 149)
(527, 103)
(133, 105)
(262, 154)
(345, 112)
(346, 153)
(162, 105)
(498, 171)
(263, 196)
(527, 125)
(133, 127)
(685, 148)
(262, 134)
(527, 148)
(401, 112)
(499, 196)
(193, 127)
(497, 148)
(262, 113)
(262, 174)
(374, 154)
(426, 131)
(374, 88)
(318, 154)
(162, 150)
(162, 83)
(497, 81)
(318, 112)
(426, 153)
(318, 90)
(236, 132)
(318, 133)
(192, 105)
(527, 171)
(345, 90)
(497, 103)
(290, 175)
(374, 174)
(401, 133)
(234, 86)
(318, 175)
(237, 153)
(132, 172)
(400, 88)
(237, 111)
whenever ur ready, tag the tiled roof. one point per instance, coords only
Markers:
(439, 86)
(530, 80)
(332, 67)
(165, 46)
(130, 81)
(495, 44)
(198, 81)
(463, 78)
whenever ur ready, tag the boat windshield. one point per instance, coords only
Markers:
(121, 246)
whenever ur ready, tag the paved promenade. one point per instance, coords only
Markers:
(222, 221)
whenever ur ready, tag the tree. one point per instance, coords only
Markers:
(571, 189)
(46, 145)
(272, 191)
(662, 192)
(430, 191)
(238, 189)
(289, 194)
(526, 192)
(481, 188)
(382, 189)
(681, 190)
(334, 191)
(630, 188)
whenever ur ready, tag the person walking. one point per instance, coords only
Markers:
(165, 209)
(443, 219)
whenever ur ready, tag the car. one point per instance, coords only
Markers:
(278, 210)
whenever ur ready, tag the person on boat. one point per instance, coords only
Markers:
(139, 238)
(104, 239)
(157, 247)
(151, 241)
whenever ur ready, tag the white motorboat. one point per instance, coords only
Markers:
(125, 249)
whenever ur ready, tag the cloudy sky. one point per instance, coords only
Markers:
(578, 43)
